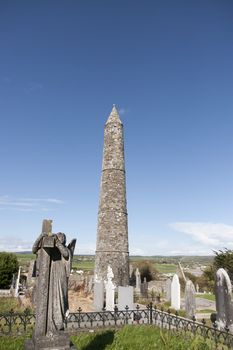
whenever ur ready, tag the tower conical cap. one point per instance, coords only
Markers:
(114, 116)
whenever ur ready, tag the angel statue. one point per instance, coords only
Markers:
(54, 260)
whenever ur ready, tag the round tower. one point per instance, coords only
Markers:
(112, 232)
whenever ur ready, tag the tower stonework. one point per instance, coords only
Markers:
(112, 232)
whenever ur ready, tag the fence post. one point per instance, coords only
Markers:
(151, 312)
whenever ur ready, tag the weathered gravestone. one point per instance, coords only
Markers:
(98, 295)
(190, 300)
(175, 292)
(144, 288)
(125, 298)
(224, 307)
(110, 290)
(138, 280)
(168, 289)
(53, 269)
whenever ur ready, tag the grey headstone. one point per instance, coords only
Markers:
(144, 289)
(168, 289)
(98, 295)
(125, 298)
(190, 301)
(138, 280)
(224, 307)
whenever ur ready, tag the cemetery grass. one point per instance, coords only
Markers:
(141, 337)
(9, 303)
(206, 296)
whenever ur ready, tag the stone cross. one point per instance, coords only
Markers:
(175, 292)
(224, 306)
(110, 290)
(52, 272)
(190, 301)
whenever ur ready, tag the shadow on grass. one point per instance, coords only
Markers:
(100, 341)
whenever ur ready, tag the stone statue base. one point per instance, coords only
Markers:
(53, 342)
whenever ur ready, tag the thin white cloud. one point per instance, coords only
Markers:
(209, 234)
(14, 244)
(28, 204)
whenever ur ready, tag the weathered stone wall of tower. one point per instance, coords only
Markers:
(112, 232)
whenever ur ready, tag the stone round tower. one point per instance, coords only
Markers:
(112, 233)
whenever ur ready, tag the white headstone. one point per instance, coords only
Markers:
(175, 292)
(138, 280)
(130, 270)
(190, 300)
(98, 295)
(110, 290)
(125, 298)
(17, 284)
(224, 307)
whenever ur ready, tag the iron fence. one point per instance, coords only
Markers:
(20, 323)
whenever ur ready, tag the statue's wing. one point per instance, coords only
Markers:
(71, 246)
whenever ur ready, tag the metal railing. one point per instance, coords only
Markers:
(20, 323)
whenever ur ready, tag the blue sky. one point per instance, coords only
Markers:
(168, 67)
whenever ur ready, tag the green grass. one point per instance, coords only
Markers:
(206, 296)
(141, 337)
(205, 311)
(166, 268)
(84, 265)
(9, 303)
(24, 259)
(12, 343)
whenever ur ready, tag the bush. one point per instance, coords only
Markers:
(8, 266)
(147, 270)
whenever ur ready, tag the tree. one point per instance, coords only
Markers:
(224, 259)
(206, 280)
(147, 270)
(8, 266)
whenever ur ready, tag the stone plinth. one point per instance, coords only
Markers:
(53, 342)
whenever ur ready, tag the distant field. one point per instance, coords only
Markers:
(24, 259)
(164, 264)
(86, 265)
(166, 268)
